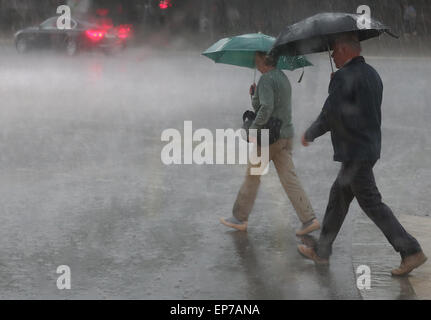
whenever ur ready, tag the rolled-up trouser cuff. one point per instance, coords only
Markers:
(313, 217)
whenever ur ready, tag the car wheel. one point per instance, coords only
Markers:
(71, 47)
(21, 45)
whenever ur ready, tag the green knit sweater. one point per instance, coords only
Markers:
(273, 98)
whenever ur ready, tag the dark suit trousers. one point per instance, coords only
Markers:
(356, 179)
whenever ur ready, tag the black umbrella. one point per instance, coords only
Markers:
(317, 33)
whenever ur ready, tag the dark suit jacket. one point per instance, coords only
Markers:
(352, 113)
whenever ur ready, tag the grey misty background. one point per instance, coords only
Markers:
(82, 183)
(210, 18)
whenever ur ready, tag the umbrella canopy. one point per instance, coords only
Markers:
(241, 50)
(317, 33)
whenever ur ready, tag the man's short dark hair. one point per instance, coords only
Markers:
(351, 39)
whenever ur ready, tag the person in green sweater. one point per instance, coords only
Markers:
(272, 98)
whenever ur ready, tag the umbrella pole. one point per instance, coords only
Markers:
(254, 81)
(330, 59)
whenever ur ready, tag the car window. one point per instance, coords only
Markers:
(86, 25)
(51, 23)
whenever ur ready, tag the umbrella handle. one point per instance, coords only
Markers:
(254, 81)
(330, 59)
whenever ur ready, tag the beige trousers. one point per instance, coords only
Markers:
(280, 153)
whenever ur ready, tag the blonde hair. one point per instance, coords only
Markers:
(269, 59)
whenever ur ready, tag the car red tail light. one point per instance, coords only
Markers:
(124, 31)
(95, 35)
(165, 4)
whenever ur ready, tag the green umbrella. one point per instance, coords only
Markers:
(240, 51)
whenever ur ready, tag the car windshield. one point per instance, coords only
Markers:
(51, 23)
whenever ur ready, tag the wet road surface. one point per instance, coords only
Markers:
(83, 185)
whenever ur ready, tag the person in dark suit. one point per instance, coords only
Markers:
(352, 113)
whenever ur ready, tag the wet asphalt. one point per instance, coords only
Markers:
(83, 184)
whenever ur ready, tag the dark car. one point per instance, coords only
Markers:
(82, 35)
